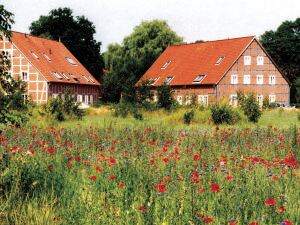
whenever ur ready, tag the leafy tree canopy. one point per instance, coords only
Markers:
(283, 45)
(13, 108)
(130, 60)
(77, 33)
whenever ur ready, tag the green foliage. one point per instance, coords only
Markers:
(223, 113)
(194, 100)
(126, 63)
(13, 107)
(251, 108)
(298, 116)
(62, 109)
(283, 45)
(266, 104)
(188, 117)
(165, 96)
(123, 109)
(76, 33)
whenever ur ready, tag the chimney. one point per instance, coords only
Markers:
(50, 52)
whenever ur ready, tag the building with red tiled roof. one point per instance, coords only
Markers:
(48, 68)
(215, 70)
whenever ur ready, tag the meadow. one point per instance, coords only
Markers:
(108, 170)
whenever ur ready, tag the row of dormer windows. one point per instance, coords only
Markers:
(234, 79)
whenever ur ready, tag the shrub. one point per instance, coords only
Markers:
(188, 117)
(63, 108)
(251, 108)
(224, 114)
(165, 97)
(121, 110)
(266, 104)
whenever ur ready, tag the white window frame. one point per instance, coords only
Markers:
(272, 98)
(260, 99)
(34, 55)
(203, 100)
(169, 79)
(247, 60)
(272, 79)
(71, 61)
(247, 79)
(187, 100)
(234, 79)
(260, 60)
(86, 99)
(27, 75)
(155, 98)
(179, 99)
(166, 65)
(79, 98)
(57, 75)
(259, 79)
(220, 60)
(233, 102)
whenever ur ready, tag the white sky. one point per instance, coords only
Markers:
(192, 19)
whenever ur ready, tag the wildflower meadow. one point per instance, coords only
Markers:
(88, 175)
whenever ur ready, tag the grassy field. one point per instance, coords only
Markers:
(108, 170)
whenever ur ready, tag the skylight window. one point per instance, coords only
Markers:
(34, 55)
(47, 57)
(199, 78)
(73, 77)
(220, 60)
(65, 76)
(91, 79)
(86, 78)
(166, 65)
(153, 81)
(57, 76)
(71, 61)
(168, 79)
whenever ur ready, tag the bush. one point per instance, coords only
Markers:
(224, 114)
(61, 109)
(124, 109)
(188, 117)
(250, 106)
(165, 97)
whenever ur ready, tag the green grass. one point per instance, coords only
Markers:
(108, 170)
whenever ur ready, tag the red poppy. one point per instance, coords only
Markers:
(253, 223)
(98, 169)
(286, 222)
(200, 215)
(77, 158)
(93, 178)
(160, 188)
(228, 177)
(112, 177)
(270, 202)
(50, 167)
(70, 165)
(281, 209)
(201, 190)
(208, 220)
(214, 187)
(122, 185)
(142, 208)
(196, 157)
(166, 160)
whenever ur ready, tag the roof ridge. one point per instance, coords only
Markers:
(218, 40)
(48, 39)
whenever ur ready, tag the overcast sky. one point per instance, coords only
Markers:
(191, 19)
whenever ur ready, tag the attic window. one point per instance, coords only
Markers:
(153, 81)
(166, 65)
(47, 57)
(199, 78)
(74, 78)
(65, 76)
(91, 79)
(58, 77)
(86, 78)
(168, 79)
(34, 55)
(220, 60)
(71, 61)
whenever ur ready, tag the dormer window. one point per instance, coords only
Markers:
(34, 55)
(166, 65)
(47, 57)
(168, 79)
(220, 60)
(86, 79)
(71, 61)
(57, 76)
(65, 76)
(74, 78)
(199, 78)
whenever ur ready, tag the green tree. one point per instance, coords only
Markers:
(165, 96)
(128, 62)
(283, 45)
(76, 33)
(13, 108)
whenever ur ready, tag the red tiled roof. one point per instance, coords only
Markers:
(190, 60)
(55, 51)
